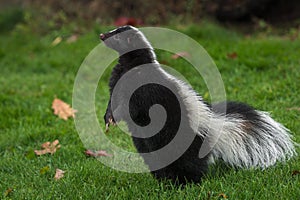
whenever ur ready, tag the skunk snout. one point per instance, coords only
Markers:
(102, 36)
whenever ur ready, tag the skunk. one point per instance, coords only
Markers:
(248, 139)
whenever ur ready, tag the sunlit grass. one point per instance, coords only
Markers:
(265, 74)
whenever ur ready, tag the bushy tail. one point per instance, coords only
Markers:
(255, 142)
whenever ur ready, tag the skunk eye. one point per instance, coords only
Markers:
(116, 37)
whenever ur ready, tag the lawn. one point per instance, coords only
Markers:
(262, 69)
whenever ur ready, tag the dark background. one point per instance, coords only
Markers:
(154, 12)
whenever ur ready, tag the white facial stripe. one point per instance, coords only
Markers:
(113, 30)
(123, 27)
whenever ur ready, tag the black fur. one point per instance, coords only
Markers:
(244, 110)
(188, 167)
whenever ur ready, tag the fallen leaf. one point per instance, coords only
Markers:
(97, 153)
(44, 170)
(180, 54)
(232, 55)
(63, 110)
(294, 108)
(7, 192)
(48, 147)
(56, 41)
(295, 172)
(222, 195)
(72, 38)
(59, 174)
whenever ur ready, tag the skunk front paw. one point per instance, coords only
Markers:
(109, 120)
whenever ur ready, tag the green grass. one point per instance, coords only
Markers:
(265, 74)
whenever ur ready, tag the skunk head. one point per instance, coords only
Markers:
(125, 39)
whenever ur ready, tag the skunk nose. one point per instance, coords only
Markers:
(102, 36)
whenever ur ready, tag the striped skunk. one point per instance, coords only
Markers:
(248, 139)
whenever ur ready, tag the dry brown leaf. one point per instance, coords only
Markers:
(232, 55)
(180, 54)
(63, 110)
(97, 153)
(59, 174)
(295, 172)
(222, 195)
(72, 38)
(7, 192)
(48, 147)
(294, 108)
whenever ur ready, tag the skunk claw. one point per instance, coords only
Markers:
(106, 127)
(110, 122)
